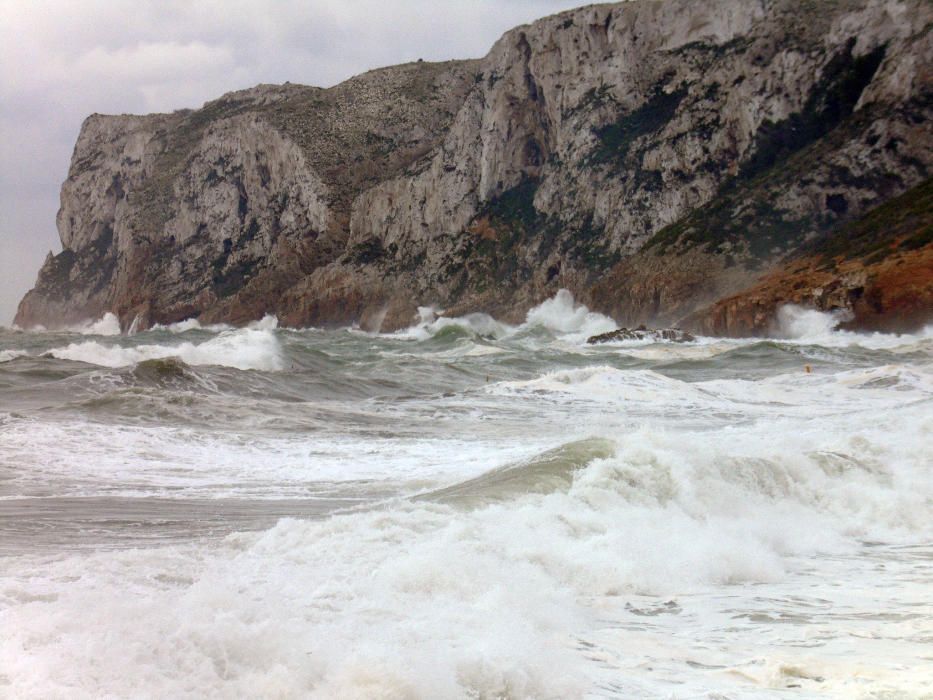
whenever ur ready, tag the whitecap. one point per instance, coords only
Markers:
(243, 349)
(7, 355)
(191, 324)
(813, 327)
(108, 324)
(561, 314)
(432, 321)
(269, 322)
(430, 600)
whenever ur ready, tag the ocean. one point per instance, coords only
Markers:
(465, 509)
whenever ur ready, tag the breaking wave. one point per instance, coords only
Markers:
(109, 324)
(358, 605)
(268, 322)
(514, 516)
(242, 349)
(571, 321)
(816, 327)
(432, 324)
(801, 323)
(649, 393)
(544, 473)
(561, 315)
(191, 324)
(7, 355)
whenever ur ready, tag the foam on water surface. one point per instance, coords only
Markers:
(475, 509)
(495, 599)
(244, 349)
(108, 324)
(821, 328)
(562, 314)
(7, 355)
(191, 324)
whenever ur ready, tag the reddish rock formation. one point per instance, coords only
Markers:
(878, 269)
(894, 295)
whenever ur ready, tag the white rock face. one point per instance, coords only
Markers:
(561, 156)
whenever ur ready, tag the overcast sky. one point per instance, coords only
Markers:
(61, 60)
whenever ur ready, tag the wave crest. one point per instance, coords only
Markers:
(811, 326)
(7, 355)
(562, 314)
(242, 349)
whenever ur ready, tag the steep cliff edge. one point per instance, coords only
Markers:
(663, 160)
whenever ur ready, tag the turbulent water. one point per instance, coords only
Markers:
(465, 509)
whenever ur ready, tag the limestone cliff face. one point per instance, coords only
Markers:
(655, 157)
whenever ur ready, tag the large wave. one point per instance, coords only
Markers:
(574, 322)
(560, 314)
(108, 324)
(246, 348)
(516, 533)
(816, 327)
(7, 355)
(432, 322)
(428, 599)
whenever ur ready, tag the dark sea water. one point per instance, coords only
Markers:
(465, 509)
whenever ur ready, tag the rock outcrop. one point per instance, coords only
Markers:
(675, 335)
(660, 159)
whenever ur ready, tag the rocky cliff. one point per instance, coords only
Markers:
(668, 161)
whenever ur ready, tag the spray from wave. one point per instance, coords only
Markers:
(244, 349)
(432, 323)
(106, 325)
(7, 355)
(191, 324)
(561, 315)
(800, 323)
(428, 599)
(815, 327)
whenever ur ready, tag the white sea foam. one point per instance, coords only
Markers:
(574, 322)
(811, 326)
(739, 537)
(191, 324)
(7, 355)
(84, 460)
(562, 314)
(243, 349)
(808, 324)
(605, 384)
(432, 321)
(649, 393)
(267, 322)
(108, 324)
(428, 600)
